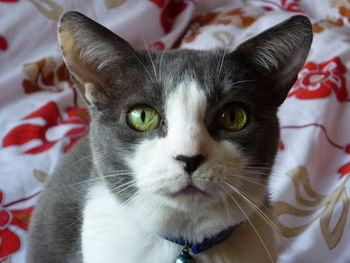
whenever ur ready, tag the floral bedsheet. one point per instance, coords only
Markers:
(42, 116)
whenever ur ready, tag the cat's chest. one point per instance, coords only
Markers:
(110, 236)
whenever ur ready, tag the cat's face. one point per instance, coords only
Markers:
(185, 138)
(216, 118)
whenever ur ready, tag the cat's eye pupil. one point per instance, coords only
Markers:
(232, 116)
(143, 116)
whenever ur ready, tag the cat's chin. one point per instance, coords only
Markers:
(189, 191)
(189, 199)
(189, 213)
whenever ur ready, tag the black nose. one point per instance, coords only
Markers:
(191, 163)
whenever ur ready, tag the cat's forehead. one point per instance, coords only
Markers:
(178, 66)
(187, 100)
(212, 72)
(156, 77)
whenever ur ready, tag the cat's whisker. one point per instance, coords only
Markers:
(226, 205)
(254, 228)
(116, 184)
(256, 183)
(71, 224)
(102, 177)
(251, 198)
(260, 168)
(276, 162)
(149, 55)
(250, 166)
(81, 159)
(224, 53)
(116, 173)
(258, 172)
(89, 156)
(130, 198)
(221, 62)
(247, 179)
(257, 202)
(128, 186)
(260, 212)
(160, 65)
(86, 157)
(139, 60)
(243, 81)
(266, 174)
(267, 220)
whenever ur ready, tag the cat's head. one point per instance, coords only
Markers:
(184, 137)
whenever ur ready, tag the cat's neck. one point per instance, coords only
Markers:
(108, 233)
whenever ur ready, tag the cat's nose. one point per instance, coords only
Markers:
(191, 162)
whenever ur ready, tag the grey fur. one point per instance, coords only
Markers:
(250, 76)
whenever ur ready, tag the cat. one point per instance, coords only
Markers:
(176, 163)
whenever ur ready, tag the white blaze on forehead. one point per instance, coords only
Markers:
(185, 111)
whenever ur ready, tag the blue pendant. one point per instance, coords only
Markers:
(184, 257)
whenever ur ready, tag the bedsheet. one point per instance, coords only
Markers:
(42, 116)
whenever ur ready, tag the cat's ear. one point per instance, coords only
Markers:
(279, 53)
(90, 52)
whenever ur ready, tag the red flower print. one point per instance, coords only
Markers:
(3, 43)
(291, 5)
(287, 5)
(73, 125)
(318, 81)
(281, 146)
(159, 3)
(344, 170)
(158, 46)
(347, 149)
(42, 75)
(9, 241)
(170, 10)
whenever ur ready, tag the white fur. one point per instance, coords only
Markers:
(280, 52)
(117, 232)
(268, 55)
(98, 53)
(89, 90)
(110, 235)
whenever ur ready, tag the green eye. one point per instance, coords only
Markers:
(232, 118)
(143, 118)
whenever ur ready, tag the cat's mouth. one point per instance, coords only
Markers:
(189, 190)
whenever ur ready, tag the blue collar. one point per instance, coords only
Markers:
(207, 243)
